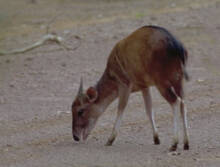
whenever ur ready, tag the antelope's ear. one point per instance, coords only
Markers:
(92, 94)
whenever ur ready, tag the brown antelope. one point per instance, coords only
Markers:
(150, 56)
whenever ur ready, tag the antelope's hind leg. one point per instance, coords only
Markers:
(148, 107)
(183, 112)
(170, 95)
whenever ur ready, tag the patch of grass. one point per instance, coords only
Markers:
(139, 15)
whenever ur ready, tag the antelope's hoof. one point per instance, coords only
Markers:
(173, 147)
(109, 143)
(156, 140)
(186, 146)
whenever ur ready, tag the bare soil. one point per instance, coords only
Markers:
(38, 87)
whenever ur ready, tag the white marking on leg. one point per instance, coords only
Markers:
(116, 126)
(175, 108)
(183, 111)
(124, 93)
(148, 106)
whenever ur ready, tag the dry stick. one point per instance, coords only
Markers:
(48, 37)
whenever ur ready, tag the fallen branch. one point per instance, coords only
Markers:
(48, 37)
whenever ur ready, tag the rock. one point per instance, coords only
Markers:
(63, 112)
(200, 80)
(174, 153)
(66, 32)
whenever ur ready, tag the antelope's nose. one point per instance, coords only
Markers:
(76, 138)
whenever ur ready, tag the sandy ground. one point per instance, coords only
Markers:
(38, 87)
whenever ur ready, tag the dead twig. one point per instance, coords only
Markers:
(48, 37)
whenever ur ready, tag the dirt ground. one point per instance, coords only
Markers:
(38, 87)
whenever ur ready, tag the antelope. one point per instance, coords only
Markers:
(150, 56)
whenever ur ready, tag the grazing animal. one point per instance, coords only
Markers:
(150, 56)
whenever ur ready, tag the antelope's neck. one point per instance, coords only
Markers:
(107, 91)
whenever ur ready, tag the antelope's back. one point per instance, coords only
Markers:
(147, 56)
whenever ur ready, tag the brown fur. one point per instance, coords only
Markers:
(150, 56)
(141, 59)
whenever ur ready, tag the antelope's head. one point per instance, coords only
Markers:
(84, 113)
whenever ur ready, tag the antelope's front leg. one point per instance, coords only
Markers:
(124, 92)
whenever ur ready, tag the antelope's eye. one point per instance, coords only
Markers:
(80, 112)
